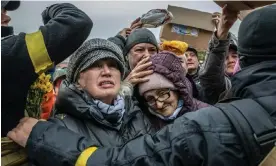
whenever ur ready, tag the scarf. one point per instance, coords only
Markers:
(111, 113)
(171, 117)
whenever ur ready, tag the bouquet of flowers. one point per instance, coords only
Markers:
(36, 95)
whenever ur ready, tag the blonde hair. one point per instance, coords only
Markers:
(126, 89)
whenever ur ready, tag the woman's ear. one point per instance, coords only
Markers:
(81, 80)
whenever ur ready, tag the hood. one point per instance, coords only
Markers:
(72, 101)
(233, 42)
(182, 84)
(259, 83)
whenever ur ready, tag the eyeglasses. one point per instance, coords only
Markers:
(161, 98)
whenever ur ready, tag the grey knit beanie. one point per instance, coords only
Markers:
(141, 35)
(90, 52)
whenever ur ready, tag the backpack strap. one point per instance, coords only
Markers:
(253, 125)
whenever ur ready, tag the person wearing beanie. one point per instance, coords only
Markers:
(90, 102)
(140, 45)
(193, 70)
(179, 48)
(27, 55)
(260, 47)
(240, 131)
(193, 62)
(168, 93)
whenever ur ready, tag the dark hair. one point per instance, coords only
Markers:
(193, 50)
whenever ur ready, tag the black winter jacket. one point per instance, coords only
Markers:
(214, 83)
(25, 56)
(204, 137)
(74, 113)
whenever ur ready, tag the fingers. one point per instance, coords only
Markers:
(139, 72)
(143, 61)
(18, 136)
(138, 77)
(11, 134)
(128, 31)
(224, 9)
(125, 32)
(135, 21)
(139, 80)
(136, 25)
(142, 67)
(21, 133)
(144, 73)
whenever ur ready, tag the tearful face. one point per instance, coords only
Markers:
(102, 80)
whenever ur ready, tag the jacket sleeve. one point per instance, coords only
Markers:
(212, 75)
(119, 40)
(50, 143)
(204, 137)
(66, 28)
(193, 139)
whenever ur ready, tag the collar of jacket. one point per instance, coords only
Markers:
(6, 31)
(70, 101)
(259, 83)
(195, 76)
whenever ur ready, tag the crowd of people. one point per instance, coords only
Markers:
(129, 100)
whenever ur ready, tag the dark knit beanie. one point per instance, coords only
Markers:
(141, 35)
(10, 5)
(256, 37)
(90, 52)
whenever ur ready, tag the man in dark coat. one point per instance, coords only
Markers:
(26, 55)
(240, 132)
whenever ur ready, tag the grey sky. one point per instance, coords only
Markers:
(109, 17)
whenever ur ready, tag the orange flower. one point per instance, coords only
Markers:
(47, 104)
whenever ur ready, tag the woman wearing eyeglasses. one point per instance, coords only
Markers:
(168, 93)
